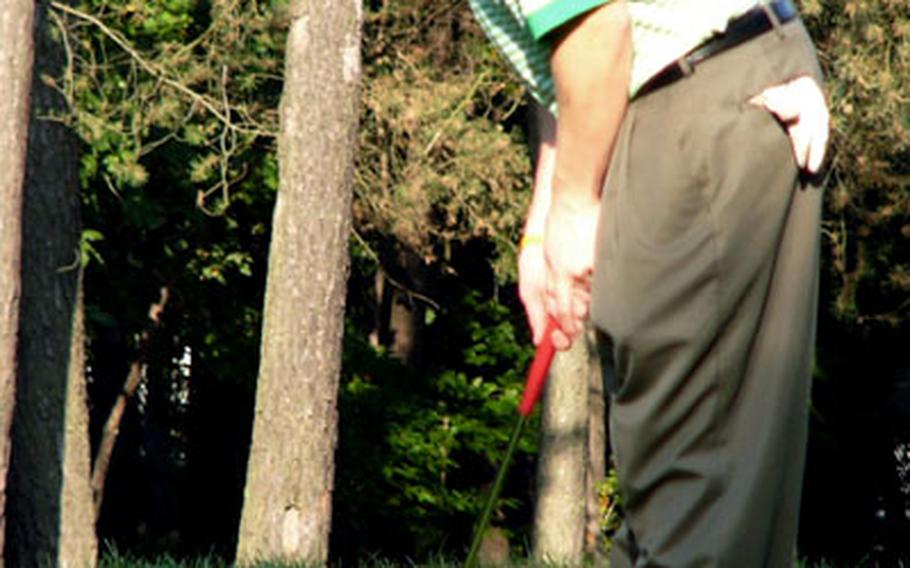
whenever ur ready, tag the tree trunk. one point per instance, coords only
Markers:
(78, 539)
(15, 78)
(403, 315)
(50, 514)
(596, 469)
(560, 514)
(288, 495)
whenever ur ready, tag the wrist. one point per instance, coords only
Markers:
(529, 239)
(574, 190)
(573, 201)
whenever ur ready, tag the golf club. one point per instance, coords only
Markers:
(537, 377)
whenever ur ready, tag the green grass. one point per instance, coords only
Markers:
(113, 559)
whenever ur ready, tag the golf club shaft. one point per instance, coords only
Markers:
(537, 377)
(494, 495)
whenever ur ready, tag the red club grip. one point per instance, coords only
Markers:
(540, 367)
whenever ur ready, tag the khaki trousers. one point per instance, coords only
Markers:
(705, 285)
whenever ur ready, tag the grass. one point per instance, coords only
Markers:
(116, 560)
(113, 559)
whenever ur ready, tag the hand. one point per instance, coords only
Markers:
(569, 254)
(801, 106)
(532, 287)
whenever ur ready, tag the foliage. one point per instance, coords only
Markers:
(865, 49)
(442, 167)
(175, 101)
(440, 157)
(857, 416)
(609, 506)
(204, 78)
(420, 450)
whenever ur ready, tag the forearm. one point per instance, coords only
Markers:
(591, 64)
(544, 166)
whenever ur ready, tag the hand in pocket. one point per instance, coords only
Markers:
(800, 105)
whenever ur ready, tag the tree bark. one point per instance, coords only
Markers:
(78, 539)
(403, 329)
(16, 53)
(288, 495)
(560, 514)
(50, 513)
(596, 469)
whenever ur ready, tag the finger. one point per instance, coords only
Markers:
(556, 308)
(557, 336)
(799, 141)
(537, 316)
(819, 145)
(562, 300)
(581, 304)
(816, 156)
(532, 288)
(561, 341)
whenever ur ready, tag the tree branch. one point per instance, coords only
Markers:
(159, 73)
(130, 385)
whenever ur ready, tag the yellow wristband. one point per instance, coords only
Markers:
(530, 239)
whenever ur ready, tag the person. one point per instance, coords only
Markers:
(676, 202)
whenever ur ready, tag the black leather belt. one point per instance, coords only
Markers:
(741, 29)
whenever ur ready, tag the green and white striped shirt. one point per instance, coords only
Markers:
(662, 31)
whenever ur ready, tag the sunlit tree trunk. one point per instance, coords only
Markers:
(49, 508)
(559, 514)
(15, 79)
(596, 469)
(288, 495)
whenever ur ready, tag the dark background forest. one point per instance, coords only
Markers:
(175, 104)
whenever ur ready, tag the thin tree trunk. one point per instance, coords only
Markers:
(111, 429)
(405, 333)
(288, 494)
(16, 53)
(596, 469)
(560, 513)
(78, 540)
(50, 520)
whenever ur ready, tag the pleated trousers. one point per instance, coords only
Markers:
(705, 294)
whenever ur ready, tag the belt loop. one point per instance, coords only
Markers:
(684, 66)
(773, 18)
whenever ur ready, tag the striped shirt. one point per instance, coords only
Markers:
(662, 31)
